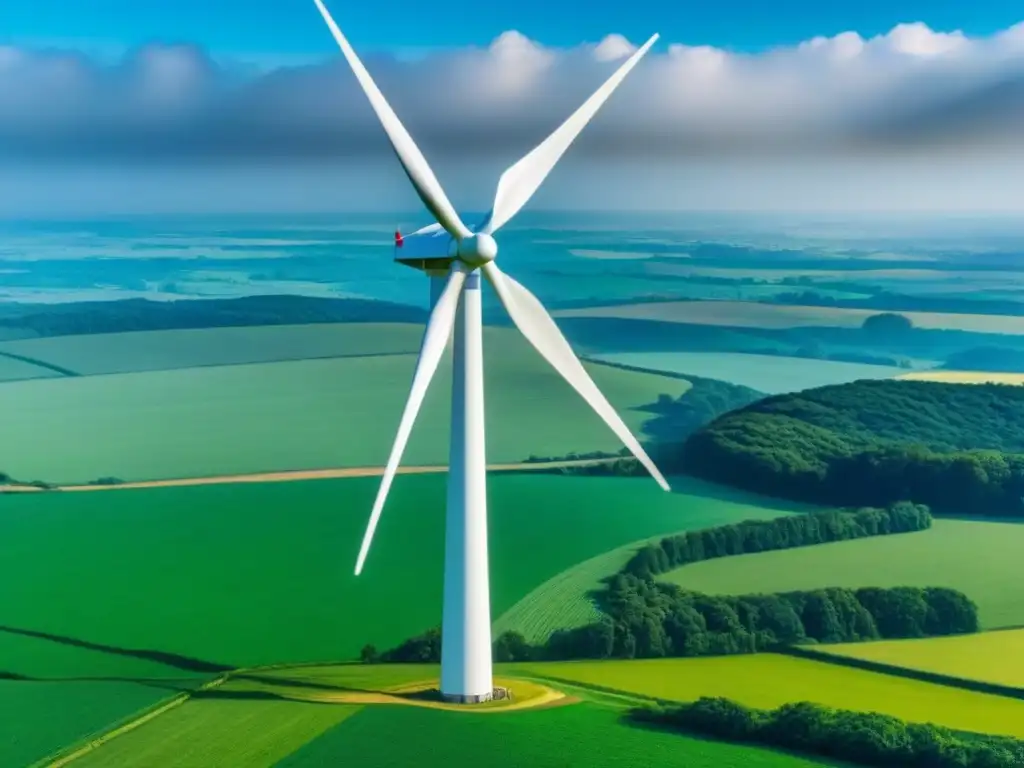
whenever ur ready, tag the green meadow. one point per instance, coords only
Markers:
(305, 414)
(771, 374)
(980, 558)
(768, 680)
(137, 351)
(988, 657)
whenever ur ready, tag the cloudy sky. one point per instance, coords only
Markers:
(111, 106)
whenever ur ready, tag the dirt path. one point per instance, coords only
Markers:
(304, 474)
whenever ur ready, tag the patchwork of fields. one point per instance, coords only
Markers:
(771, 374)
(989, 657)
(298, 414)
(965, 377)
(743, 314)
(981, 559)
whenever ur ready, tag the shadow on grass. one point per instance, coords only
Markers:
(175, 660)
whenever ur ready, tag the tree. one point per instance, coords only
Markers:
(887, 324)
(512, 646)
(369, 654)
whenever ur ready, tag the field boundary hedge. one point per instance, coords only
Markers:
(867, 665)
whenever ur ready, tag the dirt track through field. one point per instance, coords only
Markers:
(305, 474)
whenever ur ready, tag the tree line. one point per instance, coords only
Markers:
(955, 448)
(751, 536)
(864, 737)
(644, 618)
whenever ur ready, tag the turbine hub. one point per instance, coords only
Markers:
(476, 250)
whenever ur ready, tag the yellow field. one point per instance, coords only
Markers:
(989, 657)
(754, 315)
(965, 377)
(770, 680)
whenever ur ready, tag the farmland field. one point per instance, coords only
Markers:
(965, 377)
(989, 657)
(755, 315)
(13, 369)
(545, 738)
(771, 374)
(41, 717)
(562, 602)
(305, 414)
(163, 350)
(980, 558)
(269, 576)
(769, 680)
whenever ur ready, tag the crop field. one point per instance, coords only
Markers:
(771, 374)
(980, 558)
(41, 717)
(544, 738)
(988, 657)
(965, 377)
(195, 347)
(226, 730)
(305, 414)
(754, 315)
(769, 680)
(562, 602)
(13, 369)
(269, 566)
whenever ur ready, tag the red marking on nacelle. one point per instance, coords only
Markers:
(398, 239)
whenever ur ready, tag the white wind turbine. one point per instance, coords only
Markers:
(454, 256)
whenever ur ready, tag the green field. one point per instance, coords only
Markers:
(13, 369)
(262, 573)
(195, 347)
(563, 601)
(769, 680)
(746, 314)
(980, 558)
(988, 657)
(41, 717)
(771, 374)
(581, 734)
(305, 414)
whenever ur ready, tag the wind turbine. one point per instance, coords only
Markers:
(454, 256)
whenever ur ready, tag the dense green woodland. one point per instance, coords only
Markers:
(647, 619)
(956, 448)
(863, 737)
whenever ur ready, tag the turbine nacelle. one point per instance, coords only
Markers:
(476, 250)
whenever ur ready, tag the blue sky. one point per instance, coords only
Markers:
(268, 29)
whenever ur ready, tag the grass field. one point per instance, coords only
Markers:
(41, 717)
(980, 558)
(188, 348)
(770, 680)
(13, 369)
(771, 374)
(562, 602)
(989, 657)
(965, 377)
(754, 315)
(305, 414)
(581, 734)
(236, 575)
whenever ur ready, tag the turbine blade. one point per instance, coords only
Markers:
(540, 330)
(415, 165)
(435, 339)
(517, 184)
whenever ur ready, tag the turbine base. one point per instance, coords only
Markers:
(461, 698)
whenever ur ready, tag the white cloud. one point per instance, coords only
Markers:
(910, 87)
(612, 48)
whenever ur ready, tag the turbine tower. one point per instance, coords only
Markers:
(455, 256)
